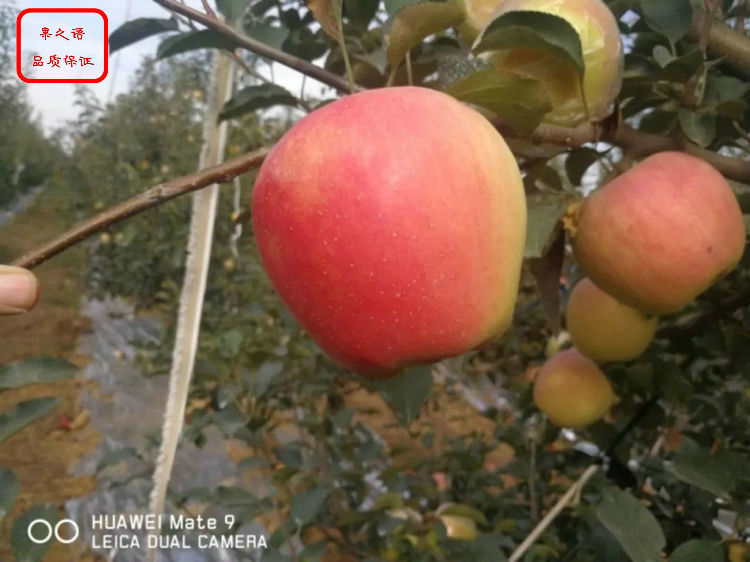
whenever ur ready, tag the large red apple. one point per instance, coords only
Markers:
(661, 233)
(392, 224)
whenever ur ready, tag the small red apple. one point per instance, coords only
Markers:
(392, 224)
(661, 233)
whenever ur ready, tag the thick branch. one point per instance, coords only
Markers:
(258, 47)
(636, 142)
(150, 198)
(722, 40)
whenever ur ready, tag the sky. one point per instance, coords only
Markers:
(54, 102)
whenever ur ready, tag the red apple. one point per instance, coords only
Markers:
(603, 328)
(572, 390)
(392, 224)
(661, 233)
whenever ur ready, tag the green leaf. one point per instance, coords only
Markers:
(313, 552)
(232, 10)
(520, 101)
(682, 68)
(488, 548)
(8, 491)
(307, 505)
(388, 500)
(634, 526)
(193, 40)
(721, 88)
(290, 455)
(271, 35)
(24, 413)
(360, 12)
(467, 511)
(116, 457)
(268, 370)
(305, 44)
(24, 549)
(698, 127)
(698, 550)
(407, 392)
(578, 162)
(229, 420)
(534, 30)
(671, 18)
(413, 23)
(694, 465)
(673, 382)
(544, 213)
(251, 463)
(35, 370)
(253, 98)
(732, 109)
(135, 30)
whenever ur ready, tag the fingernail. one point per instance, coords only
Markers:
(19, 290)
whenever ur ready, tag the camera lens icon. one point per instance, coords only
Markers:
(44, 535)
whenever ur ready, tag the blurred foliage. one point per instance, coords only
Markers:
(26, 156)
(674, 451)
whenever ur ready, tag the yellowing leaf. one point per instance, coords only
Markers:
(325, 12)
(413, 23)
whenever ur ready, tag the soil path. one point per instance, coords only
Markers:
(42, 454)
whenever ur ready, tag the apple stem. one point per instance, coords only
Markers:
(409, 76)
(342, 45)
(392, 76)
(566, 499)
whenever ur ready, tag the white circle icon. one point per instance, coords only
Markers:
(44, 523)
(73, 525)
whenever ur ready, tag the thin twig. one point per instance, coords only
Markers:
(553, 513)
(532, 480)
(149, 198)
(635, 142)
(342, 45)
(209, 11)
(260, 48)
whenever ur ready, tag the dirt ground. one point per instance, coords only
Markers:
(42, 454)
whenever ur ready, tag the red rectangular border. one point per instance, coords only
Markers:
(63, 80)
